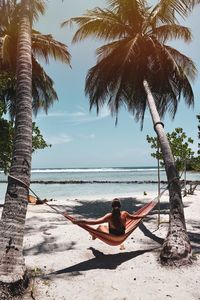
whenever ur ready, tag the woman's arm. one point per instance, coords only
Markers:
(94, 222)
(134, 216)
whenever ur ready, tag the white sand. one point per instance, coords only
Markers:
(69, 265)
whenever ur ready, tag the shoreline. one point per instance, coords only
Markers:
(92, 192)
(197, 182)
(103, 195)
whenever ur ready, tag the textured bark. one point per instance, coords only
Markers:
(15, 290)
(12, 265)
(176, 247)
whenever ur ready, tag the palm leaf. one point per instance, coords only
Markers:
(99, 23)
(165, 10)
(5, 47)
(44, 94)
(172, 31)
(38, 8)
(45, 46)
(186, 63)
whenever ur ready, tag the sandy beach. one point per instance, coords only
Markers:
(67, 264)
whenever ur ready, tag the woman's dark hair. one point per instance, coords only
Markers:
(116, 205)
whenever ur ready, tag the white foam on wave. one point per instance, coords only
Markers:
(90, 170)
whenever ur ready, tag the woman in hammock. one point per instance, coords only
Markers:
(116, 220)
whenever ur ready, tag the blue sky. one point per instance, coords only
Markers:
(79, 137)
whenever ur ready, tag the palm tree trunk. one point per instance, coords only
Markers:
(158, 166)
(176, 248)
(12, 265)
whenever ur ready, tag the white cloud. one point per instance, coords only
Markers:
(59, 139)
(62, 114)
(88, 117)
(76, 114)
(104, 112)
(88, 137)
(91, 136)
(78, 117)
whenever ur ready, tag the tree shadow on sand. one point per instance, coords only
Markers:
(49, 245)
(100, 261)
(150, 234)
(195, 237)
(97, 208)
(49, 242)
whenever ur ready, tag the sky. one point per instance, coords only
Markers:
(79, 137)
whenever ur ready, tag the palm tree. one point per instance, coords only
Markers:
(12, 266)
(43, 46)
(14, 212)
(137, 68)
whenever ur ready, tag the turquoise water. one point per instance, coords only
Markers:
(98, 190)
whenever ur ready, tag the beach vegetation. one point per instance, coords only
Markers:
(181, 150)
(180, 146)
(7, 126)
(6, 142)
(13, 273)
(137, 69)
(194, 164)
(185, 157)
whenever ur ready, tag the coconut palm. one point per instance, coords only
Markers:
(14, 212)
(136, 69)
(43, 46)
(12, 266)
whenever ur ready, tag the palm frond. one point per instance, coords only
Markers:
(182, 61)
(105, 50)
(99, 23)
(8, 89)
(165, 10)
(121, 19)
(45, 46)
(131, 12)
(5, 47)
(38, 8)
(44, 94)
(172, 31)
(129, 46)
(113, 80)
(162, 13)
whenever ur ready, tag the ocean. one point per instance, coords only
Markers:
(93, 183)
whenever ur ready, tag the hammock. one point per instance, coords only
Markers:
(107, 238)
(131, 225)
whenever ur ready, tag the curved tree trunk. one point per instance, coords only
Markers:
(176, 248)
(12, 265)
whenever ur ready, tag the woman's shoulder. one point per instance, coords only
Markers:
(124, 213)
(108, 215)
